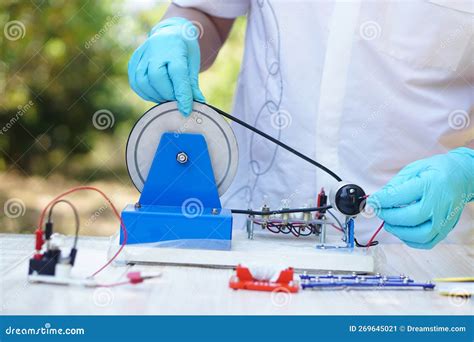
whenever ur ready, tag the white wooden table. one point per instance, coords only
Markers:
(194, 291)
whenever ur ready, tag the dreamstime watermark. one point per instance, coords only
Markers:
(47, 329)
(375, 114)
(370, 30)
(103, 119)
(18, 115)
(103, 297)
(14, 30)
(192, 30)
(370, 209)
(96, 215)
(285, 203)
(193, 118)
(280, 297)
(455, 35)
(192, 208)
(14, 208)
(459, 296)
(466, 198)
(459, 119)
(281, 119)
(109, 23)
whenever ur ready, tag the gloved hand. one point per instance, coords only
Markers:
(424, 201)
(166, 66)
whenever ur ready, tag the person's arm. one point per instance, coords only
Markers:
(166, 66)
(214, 31)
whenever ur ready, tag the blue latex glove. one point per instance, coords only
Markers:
(424, 201)
(166, 66)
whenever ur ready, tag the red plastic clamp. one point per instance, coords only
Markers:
(243, 280)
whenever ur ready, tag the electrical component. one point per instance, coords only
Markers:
(347, 198)
(244, 280)
(321, 201)
(280, 221)
(48, 226)
(202, 149)
(181, 165)
(312, 222)
(52, 262)
(354, 281)
(48, 263)
(164, 143)
(146, 134)
(45, 264)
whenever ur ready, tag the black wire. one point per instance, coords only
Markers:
(285, 230)
(280, 211)
(294, 230)
(273, 231)
(373, 243)
(277, 142)
(76, 217)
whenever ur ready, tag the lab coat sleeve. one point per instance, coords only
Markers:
(222, 9)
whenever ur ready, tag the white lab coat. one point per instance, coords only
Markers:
(362, 87)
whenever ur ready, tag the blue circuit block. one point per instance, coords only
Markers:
(171, 227)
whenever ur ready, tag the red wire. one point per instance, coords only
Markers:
(129, 281)
(375, 234)
(116, 212)
(377, 231)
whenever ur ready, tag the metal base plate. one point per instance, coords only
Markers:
(268, 249)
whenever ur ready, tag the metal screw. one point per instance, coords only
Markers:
(215, 211)
(138, 205)
(182, 157)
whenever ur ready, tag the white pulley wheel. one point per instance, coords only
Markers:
(146, 134)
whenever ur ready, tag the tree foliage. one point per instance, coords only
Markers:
(63, 61)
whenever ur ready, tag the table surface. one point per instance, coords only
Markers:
(205, 291)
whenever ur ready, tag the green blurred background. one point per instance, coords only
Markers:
(60, 63)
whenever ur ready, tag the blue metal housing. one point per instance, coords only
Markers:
(179, 205)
